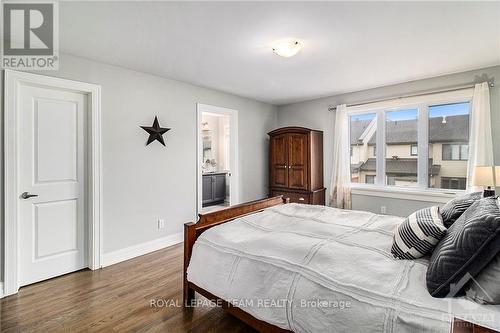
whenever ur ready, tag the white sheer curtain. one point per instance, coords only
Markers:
(340, 191)
(480, 140)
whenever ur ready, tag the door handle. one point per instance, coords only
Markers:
(26, 195)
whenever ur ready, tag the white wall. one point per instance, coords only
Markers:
(315, 114)
(142, 184)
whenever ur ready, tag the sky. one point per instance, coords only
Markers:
(408, 114)
(449, 109)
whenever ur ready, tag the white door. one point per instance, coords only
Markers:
(232, 148)
(51, 182)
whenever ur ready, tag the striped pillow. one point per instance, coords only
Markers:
(418, 234)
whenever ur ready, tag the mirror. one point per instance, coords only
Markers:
(208, 158)
(207, 145)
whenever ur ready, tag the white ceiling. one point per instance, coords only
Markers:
(226, 45)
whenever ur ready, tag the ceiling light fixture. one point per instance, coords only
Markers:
(286, 48)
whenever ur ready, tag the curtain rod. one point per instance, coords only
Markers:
(471, 85)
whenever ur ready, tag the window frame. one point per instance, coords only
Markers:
(411, 149)
(422, 104)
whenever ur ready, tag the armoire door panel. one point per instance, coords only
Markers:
(279, 161)
(280, 177)
(297, 159)
(297, 179)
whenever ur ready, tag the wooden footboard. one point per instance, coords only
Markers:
(206, 221)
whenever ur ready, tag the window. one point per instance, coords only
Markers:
(443, 128)
(363, 129)
(400, 131)
(455, 152)
(448, 145)
(370, 179)
(453, 183)
(413, 150)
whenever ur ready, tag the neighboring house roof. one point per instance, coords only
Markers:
(357, 128)
(400, 166)
(355, 167)
(456, 129)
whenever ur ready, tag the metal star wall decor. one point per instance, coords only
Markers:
(155, 132)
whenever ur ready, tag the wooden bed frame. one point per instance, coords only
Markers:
(206, 221)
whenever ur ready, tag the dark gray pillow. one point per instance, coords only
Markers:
(485, 288)
(468, 246)
(454, 208)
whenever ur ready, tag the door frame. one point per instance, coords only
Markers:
(13, 81)
(233, 121)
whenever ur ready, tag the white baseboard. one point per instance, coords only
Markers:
(1, 289)
(127, 253)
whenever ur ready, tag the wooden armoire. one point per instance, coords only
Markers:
(296, 165)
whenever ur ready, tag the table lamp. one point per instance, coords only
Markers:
(485, 176)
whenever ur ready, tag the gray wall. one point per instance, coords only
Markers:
(141, 184)
(398, 207)
(1, 177)
(315, 114)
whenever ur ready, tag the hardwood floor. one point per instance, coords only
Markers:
(115, 299)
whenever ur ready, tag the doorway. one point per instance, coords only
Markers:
(217, 156)
(52, 183)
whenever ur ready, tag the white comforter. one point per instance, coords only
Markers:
(319, 269)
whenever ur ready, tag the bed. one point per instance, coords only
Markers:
(289, 267)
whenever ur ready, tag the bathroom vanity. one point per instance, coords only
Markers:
(214, 188)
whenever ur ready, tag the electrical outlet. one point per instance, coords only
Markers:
(161, 224)
(383, 209)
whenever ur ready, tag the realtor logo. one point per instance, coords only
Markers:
(470, 310)
(30, 35)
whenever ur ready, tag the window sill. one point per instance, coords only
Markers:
(417, 194)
